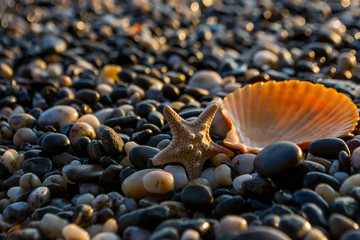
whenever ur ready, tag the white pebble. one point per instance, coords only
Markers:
(230, 224)
(244, 162)
(106, 236)
(355, 158)
(51, 226)
(14, 193)
(190, 234)
(238, 181)
(223, 175)
(75, 232)
(209, 175)
(179, 174)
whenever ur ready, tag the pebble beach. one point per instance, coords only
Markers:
(84, 93)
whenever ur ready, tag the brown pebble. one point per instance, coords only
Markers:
(81, 129)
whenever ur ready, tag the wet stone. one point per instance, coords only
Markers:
(314, 214)
(140, 155)
(303, 196)
(38, 197)
(339, 224)
(262, 232)
(58, 117)
(37, 165)
(328, 148)
(346, 206)
(276, 158)
(16, 212)
(294, 226)
(205, 79)
(55, 143)
(21, 120)
(196, 196)
(84, 173)
(233, 205)
(111, 141)
(52, 225)
(169, 233)
(312, 179)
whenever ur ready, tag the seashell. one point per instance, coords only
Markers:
(301, 112)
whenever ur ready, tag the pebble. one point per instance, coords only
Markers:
(81, 129)
(16, 212)
(10, 159)
(165, 233)
(29, 181)
(179, 175)
(232, 205)
(276, 158)
(352, 181)
(351, 235)
(328, 148)
(222, 175)
(106, 236)
(339, 224)
(158, 182)
(51, 226)
(139, 155)
(315, 234)
(90, 119)
(244, 163)
(190, 234)
(303, 196)
(238, 181)
(24, 135)
(312, 179)
(58, 117)
(83, 173)
(355, 158)
(73, 231)
(294, 226)
(21, 120)
(110, 226)
(55, 143)
(111, 141)
(346, 206)
(326, 192)
(37, 165)
(231, 224)
(196, 196)
(38, 197)
(205, 79)
(262, 232)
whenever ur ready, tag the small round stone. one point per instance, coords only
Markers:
(179, 174)
(276, 158)
(263, 232)
(206, 79)
(55, 143)
(238, 181)
(294, 226)
(244, 163)
(38, 197)
(21, 120)
(24, 135)
(101, 201)
(29, 181)
(111, 141)
(15, 193)
(352, 181)
(51, 225)
(84, 199)
(73, 231)
(90, 119)
(355, 158)
(223, 175)
(106, 236)
(190, 234)
(315, 234)
(339, 224)
(196, 196)
(231, 224)
(81, 129)
(328, 147)
(158, 182)
(218, 159)
(326, 192)
(16, 212)
(11, 159)
(133, 185)
(265, 57)
(37, 165)
(58, 117)
(351, 235)
(110, 226)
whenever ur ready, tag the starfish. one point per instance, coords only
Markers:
(191, 144)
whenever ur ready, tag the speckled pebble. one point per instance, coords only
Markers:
(111, 141)
(38, 197)
(74, 232)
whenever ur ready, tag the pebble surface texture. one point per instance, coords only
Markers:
(110, 125)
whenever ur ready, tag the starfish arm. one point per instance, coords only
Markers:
(220, 149)
(193, 171)
(165, 156)
(207, 116)
(175, 122)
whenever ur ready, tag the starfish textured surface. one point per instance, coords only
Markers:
(191, 144)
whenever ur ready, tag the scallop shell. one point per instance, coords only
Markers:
(301, 112)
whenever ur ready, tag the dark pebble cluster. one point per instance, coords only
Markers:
(82, 89)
